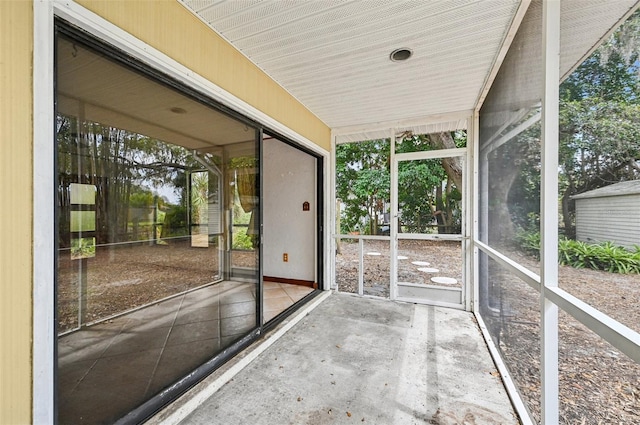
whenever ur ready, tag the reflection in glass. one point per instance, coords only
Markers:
(145, 290)
(244, 216)
(131, 240)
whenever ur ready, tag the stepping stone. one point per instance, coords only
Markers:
(402, 257)
(420, 263)
(444, 280)
(373, 253)
(428, 270)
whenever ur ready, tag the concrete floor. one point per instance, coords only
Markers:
(359, 360)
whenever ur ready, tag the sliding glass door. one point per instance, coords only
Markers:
(153, 189)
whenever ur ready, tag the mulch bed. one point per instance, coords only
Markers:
(598, 384)
(445, 256)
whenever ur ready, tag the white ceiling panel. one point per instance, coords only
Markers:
(333, 55)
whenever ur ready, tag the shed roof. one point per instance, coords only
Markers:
(631, 187)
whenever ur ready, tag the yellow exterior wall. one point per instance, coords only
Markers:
(16, 141)
(171, 28)
(165, 25)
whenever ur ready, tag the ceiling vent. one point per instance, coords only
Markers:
(400, 55)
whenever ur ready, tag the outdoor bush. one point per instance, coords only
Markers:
(605, 256)
(175, 221)
(529, 242)
(241, 240)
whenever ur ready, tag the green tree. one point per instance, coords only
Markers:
(141, 197)
(600, 119)
(199, 192)
(429, 192)
(119, 163)
(363, 182)
(417, 194)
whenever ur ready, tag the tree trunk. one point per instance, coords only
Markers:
(569, 228)
(440, 211)
(452, 166)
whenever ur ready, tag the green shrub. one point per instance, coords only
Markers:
(241, 240)
(604, 256)
(529, 242)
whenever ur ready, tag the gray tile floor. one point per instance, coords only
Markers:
(279, 296)
(108, 369)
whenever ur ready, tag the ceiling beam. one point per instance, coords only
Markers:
(410, 122)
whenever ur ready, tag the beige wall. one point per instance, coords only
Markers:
(283, 215)
(171, 28)
(16, 45)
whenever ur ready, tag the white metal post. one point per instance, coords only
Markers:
(472, 231)
(483, 223)
(43, 213)
(331, 230)
(393, 222)
(360, 266)
(467, 189)
(549, 209)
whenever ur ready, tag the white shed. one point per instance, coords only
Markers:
(611, 213)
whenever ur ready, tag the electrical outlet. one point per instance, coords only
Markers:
(285, 257)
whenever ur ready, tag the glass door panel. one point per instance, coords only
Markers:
(205, 212)
(245, 221)
(142, 238)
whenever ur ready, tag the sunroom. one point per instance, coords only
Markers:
(204, 180)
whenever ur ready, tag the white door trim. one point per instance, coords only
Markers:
(43, 408)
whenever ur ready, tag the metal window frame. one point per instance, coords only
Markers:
(43, 390)
(466, 245)
(552, 298)
(549, 402)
